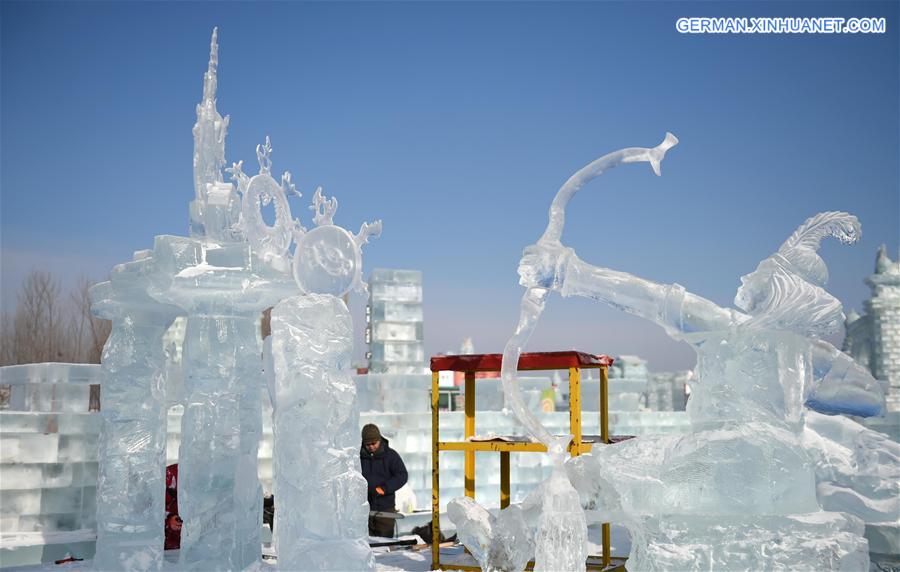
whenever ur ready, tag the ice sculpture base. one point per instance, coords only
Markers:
(814, 541)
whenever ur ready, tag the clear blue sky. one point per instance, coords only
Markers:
(456, 123)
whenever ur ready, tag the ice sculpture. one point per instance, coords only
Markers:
(504, 542)
(322, 521)
(857, 469)
(270, 242)
(221, 283)
(215, 208)
(130, 485)
(560, 541)
(561, 531)
(739, 491)
(535, 296)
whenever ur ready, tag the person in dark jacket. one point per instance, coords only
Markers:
(385, 473)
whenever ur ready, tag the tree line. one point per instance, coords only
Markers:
(49, 325)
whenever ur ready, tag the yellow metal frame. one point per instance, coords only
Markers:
(577, 447)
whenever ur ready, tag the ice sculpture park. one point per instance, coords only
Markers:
(769, 473)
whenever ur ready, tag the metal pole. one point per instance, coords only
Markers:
(435, 472)
(604, 435)
(470, 432)
(504, 479)
(575, 409)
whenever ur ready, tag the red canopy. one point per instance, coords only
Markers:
(527, 361)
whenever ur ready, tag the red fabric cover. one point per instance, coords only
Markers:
(527, 361)
(173, 537)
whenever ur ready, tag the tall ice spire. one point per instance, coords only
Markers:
(209, 159)
(210, 78)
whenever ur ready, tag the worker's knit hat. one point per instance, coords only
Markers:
(370, 433)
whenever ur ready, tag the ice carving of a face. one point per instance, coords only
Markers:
(328, 258)
(327, 261)
(755, 291)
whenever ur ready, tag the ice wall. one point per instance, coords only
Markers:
(49, 428)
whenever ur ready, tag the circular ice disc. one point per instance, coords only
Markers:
(326, 261)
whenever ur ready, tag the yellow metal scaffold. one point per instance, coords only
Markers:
(469, 365)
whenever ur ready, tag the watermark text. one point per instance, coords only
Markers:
(824, 25)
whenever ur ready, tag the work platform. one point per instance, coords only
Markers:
(469, 365)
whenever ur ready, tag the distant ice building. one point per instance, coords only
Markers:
(394, 322)
(873, 339)
(667, 391)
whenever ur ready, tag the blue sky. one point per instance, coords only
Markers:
(456, 123)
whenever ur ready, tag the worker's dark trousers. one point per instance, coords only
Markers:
(381, 526)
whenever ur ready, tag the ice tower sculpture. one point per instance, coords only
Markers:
(739, 491)
(221, 283)
(215, 208)
(322, 517)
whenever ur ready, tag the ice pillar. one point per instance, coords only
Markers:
(220, 498)
(131, 485)
(223, 289)
(316, 459)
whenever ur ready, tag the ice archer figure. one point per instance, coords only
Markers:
(739, 490)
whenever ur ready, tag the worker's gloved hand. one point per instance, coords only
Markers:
(379, 490)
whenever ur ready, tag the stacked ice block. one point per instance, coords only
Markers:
(666, 391)
(394, 314)
(49, 426)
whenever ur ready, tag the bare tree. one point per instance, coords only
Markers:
(97, 329)
(46, 326)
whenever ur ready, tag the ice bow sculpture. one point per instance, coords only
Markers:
(740, 489)
(322, 517)
(560, 539)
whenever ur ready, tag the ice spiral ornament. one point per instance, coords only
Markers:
(270, 242)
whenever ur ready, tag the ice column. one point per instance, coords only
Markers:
(561, 542)
(223, 289)
(322, 517)
(322, 521)
(221, 498)
(131, 486)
